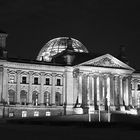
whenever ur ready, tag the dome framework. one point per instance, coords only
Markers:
(58, 45)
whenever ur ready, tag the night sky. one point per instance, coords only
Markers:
(100, 25)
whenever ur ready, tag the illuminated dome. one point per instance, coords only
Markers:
(58, 45)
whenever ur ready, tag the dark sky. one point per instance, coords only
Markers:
(100, 25)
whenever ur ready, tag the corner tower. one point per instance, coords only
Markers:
(3, 52)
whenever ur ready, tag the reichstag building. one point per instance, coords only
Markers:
(66, 79)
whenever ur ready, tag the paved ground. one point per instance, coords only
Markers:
(38, 132)
(51, 128)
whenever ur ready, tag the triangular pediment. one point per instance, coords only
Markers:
(108, 61)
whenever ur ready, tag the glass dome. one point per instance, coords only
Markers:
(58, 45)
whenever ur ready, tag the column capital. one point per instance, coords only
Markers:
(42, 73)
(18, 71)
(53, 74)
(31, 72)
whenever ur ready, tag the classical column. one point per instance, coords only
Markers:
(92, 90)
(42, 82)
(1, 75)
(84, 90)
(129, 91)
(75, 88)
(121, 91)
(5, 96)
(63, 92)
(112, 90)
(105, 90)
(108, 90)
(116, 94)
(126, 96)
(135, 93)
(80, 88)
(98, 91)
(95, 91)
(69, 89)
(18, 86)
(101, 80)
(30, 87)
(53, 88)
(88, 91)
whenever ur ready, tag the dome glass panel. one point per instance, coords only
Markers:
(58, 45)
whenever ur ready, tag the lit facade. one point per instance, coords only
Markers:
(50, 86)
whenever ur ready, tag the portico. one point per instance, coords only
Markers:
(103, 86)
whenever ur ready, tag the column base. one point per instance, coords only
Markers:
(122, 108)
(78, 110)
(102, 107)
(112, 108)
(68, 109)
(30, 105)
(41, 105)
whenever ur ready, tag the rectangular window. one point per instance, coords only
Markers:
(36, 80)
(58, 82)
(36, 113)
(138, 88)
(24, 80)
(47, 81)
(24, 113)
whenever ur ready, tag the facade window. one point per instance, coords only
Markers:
(11, 94)
(138, 88)
(58, 82)
(35, 98)
(11, 79)
(24, 80)
(24, 113)
(58, 99)
(36, 80)
(47, 98)
(23, 97)
(36, 113)
(47, 81)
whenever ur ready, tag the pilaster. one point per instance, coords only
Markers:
(18, 86)
(30, 87)
(42, 77)
(53, 88)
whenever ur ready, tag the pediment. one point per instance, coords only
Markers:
(108, 61)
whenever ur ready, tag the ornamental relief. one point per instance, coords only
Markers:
(36, 88)
(24, 73)
(106, 62)
(13, 87)
(48, 89)
(24, 87)
(9, 71)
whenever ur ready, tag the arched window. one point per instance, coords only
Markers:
(11, 94)
(23, 97)
(58, 100)
(35, 98)
(47, 98)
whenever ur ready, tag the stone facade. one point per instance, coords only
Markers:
(43, 89)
